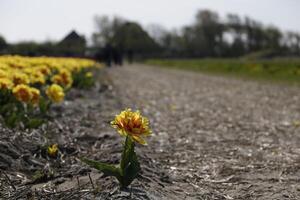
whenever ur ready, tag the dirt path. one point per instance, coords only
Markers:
(217, 138)
(214, 138)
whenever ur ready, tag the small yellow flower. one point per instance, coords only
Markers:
(3, 74)
(5, 84)
(88, 75)
(133, 124)
(64, 78)
(37, 77)
(55, 93)
(20, 78)
(35, 96)
(22, 93)
(44, 70)
(296, 123)
(52, 150)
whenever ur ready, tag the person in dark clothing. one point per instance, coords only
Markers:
(108, 54)
(120, 58)
(117, 56)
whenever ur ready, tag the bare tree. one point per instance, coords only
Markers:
(106, 28)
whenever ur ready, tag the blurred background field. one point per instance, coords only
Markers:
(282, 70)
(234, 37)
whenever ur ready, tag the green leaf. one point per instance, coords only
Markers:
(5, 96)
(20, 106)
(6, 108)
(34, 123)
(129, 165)
(44, 106)
(107, 169)
(11, 120)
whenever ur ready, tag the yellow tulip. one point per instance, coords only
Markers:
(133, 124)
(22, 93)
(52, 150)
(55, 93)
(5, 83)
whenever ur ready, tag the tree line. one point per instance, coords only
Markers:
(208, 36)
(233, 36)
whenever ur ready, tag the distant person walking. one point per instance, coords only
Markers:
(117, 56)
(108, 55)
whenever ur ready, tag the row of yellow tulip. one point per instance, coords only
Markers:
(27, 81)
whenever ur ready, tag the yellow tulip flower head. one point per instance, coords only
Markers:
(64, 78)
(5, 83)
(55, 93)
(88, 75)
(52, 150)
(35, 96)
(20, 78)
(44, 70)
(22, 93)
(133, 124)
(3, 74)
(37, 77)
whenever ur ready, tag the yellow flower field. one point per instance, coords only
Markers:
(30, 84)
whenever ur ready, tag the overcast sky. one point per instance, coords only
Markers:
(52, 19)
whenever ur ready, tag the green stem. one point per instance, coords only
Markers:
(129, 166)
(125, 155)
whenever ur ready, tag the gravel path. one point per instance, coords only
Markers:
(215, 137)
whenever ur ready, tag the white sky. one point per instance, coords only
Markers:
(52, 19)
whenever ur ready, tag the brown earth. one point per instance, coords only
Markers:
(213, 138)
